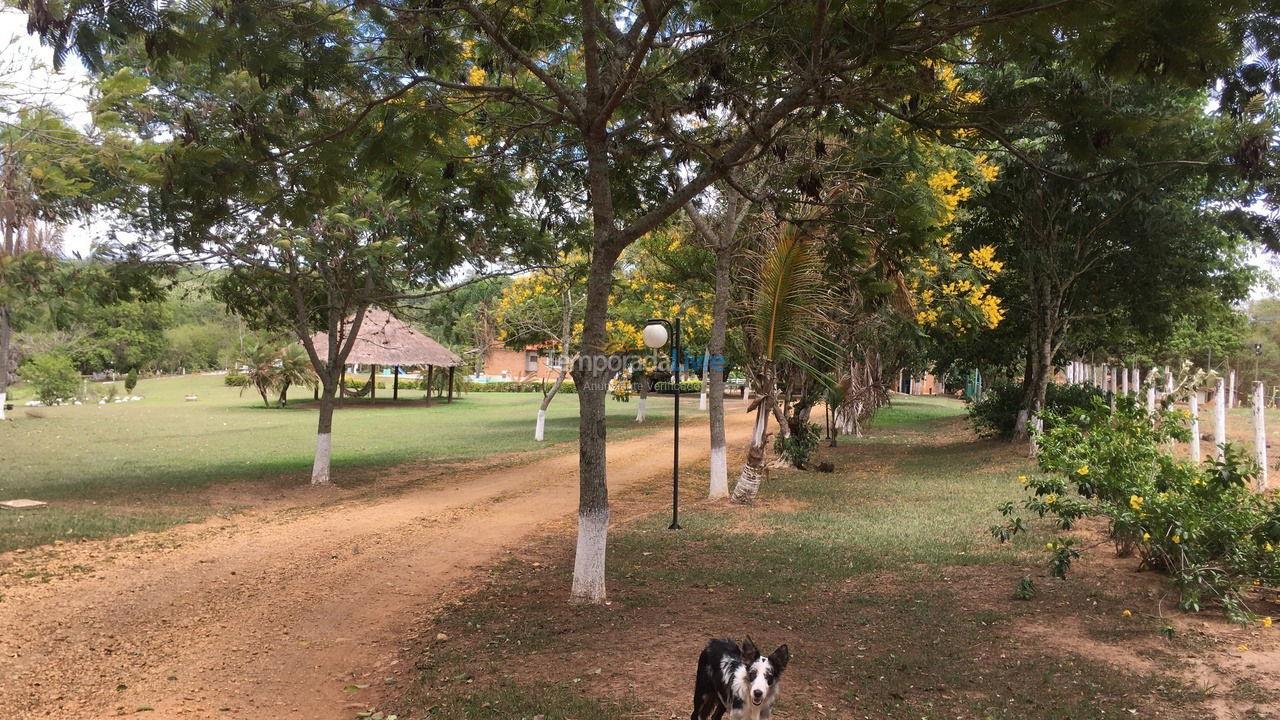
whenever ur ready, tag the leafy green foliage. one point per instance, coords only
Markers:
(995, 414)
(131, 380)
(53, 376)
(1201, 524)
(798, 446)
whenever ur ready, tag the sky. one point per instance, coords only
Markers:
(28, 68)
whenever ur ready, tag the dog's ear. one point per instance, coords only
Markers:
(750, 653)
(780, 657)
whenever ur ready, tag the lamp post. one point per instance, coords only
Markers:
(656, 333)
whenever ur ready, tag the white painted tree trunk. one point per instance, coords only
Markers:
(3, 397)
(588, 566)
(1231, 391)
(1136, 380)
(753, 469)
(1124, 380)
(1260, 434)
(1193, 406)
(640, 408)
(1151, 400)
(539, 432)
(719, 473)
(1219, 417)
(320, 467)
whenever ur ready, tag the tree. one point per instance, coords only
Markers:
(1111, 216)
(600, 105)
(545, 309)
(785, 316)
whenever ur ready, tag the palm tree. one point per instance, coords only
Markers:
(294, 368)
(261, 371)
(785, 313)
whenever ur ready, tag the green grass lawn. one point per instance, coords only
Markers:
(118, 468)
(882, 578)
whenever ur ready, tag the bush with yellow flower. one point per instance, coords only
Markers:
(1202, 524)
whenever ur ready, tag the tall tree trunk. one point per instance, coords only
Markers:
(284, 395)
(6, 332)
(1039, 366)
(591, 373)
(719, 486)
(754, 469)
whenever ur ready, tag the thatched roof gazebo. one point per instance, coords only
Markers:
(387, 340)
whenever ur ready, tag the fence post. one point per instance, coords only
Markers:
(1137, 380)
(1151, 399)
(1124, 379)
(1219, 416)
(1231, 392)
(1260, 434)
(1193, 407)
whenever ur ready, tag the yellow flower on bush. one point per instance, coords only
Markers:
(1022, 479)
(474, 140)
(1146, 537)
(1126, 613)
(1135, 502)
(1050, 499)
(1268, 548)
(476, 75)
(1177, 539)
(1084, 470)
(1266, 622)
(1048, 546)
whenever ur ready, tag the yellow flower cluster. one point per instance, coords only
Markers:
(474, 140)
(477, 75)
(984, 258)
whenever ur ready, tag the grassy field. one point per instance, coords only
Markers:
(882, 577)
(119, 468)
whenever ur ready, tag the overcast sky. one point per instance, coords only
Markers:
(65, 89)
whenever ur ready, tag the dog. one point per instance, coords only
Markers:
(736, 680)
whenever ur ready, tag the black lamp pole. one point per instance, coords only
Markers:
(673, 328)
(675, 465)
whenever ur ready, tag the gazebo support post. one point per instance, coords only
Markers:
(395, 382)
(450, 384)
(373, 384)
(430, 371)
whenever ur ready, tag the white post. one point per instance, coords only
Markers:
(1219, 416)
(1124, 379)
(1260, 434)
(1071, 370)
(1136, 380)
(1193, 407)
(1168, 381)
(706, 379)
(1231, 393)
(1151, 400)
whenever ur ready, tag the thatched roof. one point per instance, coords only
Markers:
(386, 340)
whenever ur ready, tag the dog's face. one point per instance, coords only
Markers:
(763, 672)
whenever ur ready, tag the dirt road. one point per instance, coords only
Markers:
(284, 614)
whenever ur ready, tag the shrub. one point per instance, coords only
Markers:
(798, 447)
(1201, 524)
(131, 381)
(530, 386)
(995, 415)
(53, 376)
(235, 379)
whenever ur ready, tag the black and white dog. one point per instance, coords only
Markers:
(736, 680)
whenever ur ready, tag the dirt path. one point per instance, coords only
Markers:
(274, 615)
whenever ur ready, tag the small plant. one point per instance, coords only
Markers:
(53, 377)
(235, 379)
(1026, 589)
(131, 381)
(798, 447)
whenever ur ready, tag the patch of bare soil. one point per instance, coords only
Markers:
(282, 612)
